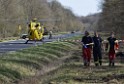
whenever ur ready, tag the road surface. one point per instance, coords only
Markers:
(20, 44)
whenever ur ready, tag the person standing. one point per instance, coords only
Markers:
(87, 46)
(50, 34)
(112, 41)
(97, 50)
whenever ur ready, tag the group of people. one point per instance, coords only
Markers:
(95, 43)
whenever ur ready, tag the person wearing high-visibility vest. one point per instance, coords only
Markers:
(87, 46)
(111, 49)
(97, 50)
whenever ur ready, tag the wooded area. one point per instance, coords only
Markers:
(57, 17)
(52, 14)
(90, 21)
(112, 17)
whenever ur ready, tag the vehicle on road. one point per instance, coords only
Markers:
(24, 36)
(35, 31)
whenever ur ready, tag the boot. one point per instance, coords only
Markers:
(110, 63)
(100, 63)
(96, 64)
(113, 64)
(88, 64)
(85, 64)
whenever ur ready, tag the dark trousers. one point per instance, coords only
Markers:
(97, 54)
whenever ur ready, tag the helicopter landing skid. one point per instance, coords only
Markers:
(34, 41)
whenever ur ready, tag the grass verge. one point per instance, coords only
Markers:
(26, 63)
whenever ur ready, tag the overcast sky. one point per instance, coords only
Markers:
(82, 7)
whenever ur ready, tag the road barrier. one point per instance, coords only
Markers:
(70, 40)
(105, 41)
(9, 38)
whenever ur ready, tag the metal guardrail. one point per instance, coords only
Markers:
(9, 38)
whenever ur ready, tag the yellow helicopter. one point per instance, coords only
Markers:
(35, 31)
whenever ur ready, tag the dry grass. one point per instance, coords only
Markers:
(30, 62)
(57, 63)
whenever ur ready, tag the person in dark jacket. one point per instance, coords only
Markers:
(97, 50)
(87, 46)
(112, 41)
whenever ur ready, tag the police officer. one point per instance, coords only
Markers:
(97, 54)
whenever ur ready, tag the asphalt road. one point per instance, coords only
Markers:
(20, 44)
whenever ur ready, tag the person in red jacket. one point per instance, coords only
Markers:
(87, 46)
(112, 41)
